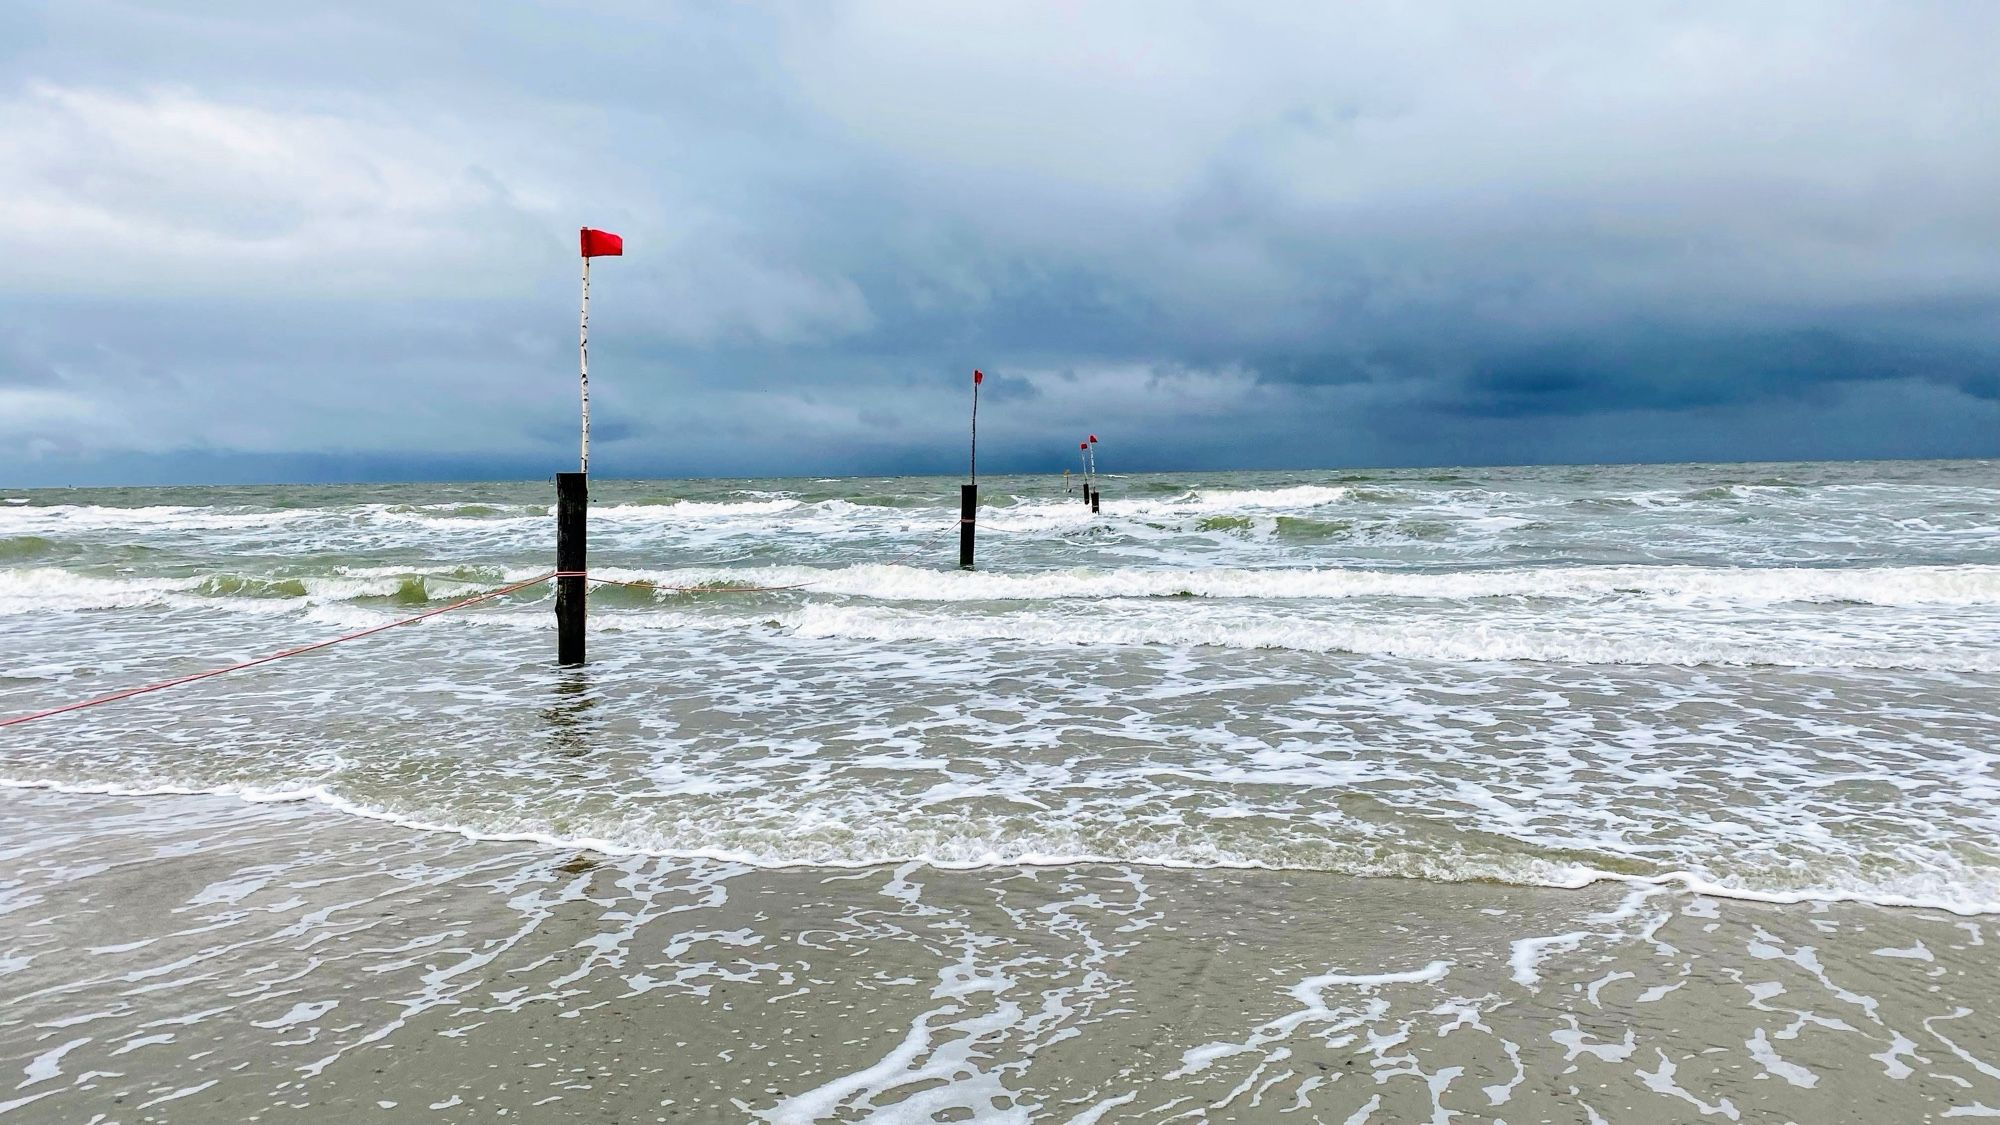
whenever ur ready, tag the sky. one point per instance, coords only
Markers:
(299, 242)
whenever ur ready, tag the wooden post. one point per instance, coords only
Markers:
(968, 511)
(968, 493)
(572, 591)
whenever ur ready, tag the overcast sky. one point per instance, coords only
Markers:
(261, 241)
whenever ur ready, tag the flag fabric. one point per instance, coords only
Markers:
(978, 376)
(602, 244)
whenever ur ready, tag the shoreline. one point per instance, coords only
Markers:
(285, 960)
(1682, 881)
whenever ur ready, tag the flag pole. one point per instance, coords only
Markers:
(1094, 494)
(583, 365)
(573, 512)
(968, 493)
(573, 489)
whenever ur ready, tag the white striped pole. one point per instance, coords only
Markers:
(583, 364)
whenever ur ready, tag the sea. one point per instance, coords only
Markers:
(1284, 716)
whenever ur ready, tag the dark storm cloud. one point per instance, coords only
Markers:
(1648, 370)
(338, 240)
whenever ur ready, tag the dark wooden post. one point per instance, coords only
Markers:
(968, 511)
(572, 591)
(1095, 496)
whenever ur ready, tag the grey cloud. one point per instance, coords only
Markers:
(1306, 234)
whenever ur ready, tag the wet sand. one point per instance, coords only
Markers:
(204, 959)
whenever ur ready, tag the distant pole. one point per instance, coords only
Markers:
(583, 364)
(1095, 493)
(1083, 454)
(968, 493)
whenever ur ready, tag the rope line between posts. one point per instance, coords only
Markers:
(299, 651)
(476, 599)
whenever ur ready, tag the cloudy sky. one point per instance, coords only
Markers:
(255, 241)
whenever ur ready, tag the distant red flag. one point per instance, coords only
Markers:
(978, 376)
(1093, 439)
(602, 244)
(1083, 445)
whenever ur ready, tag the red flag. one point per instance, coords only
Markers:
(1093, 439)
(1083, 445)
(602, 244)
(978, 376)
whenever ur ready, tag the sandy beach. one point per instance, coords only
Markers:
(206, 959)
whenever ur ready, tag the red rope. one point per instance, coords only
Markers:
(643, 584)
(369, 632)
(429, 613)
(925, 545)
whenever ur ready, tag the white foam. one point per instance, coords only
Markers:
(1643, 642)
(1300, 496)
(48, 1064)
(1889, 586)
(51, 589)
(46, 588)
(681, 511)
(172, 517)
(1966, 894)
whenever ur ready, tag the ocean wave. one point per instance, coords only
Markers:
(1191, 506)
(453, 515)
(1294, 496)
(445, 514)
(1953, 888)
(1577, 642)
(1968, 585)
(54, 588)
(49, 589)
(16, 547)
(1192, 503)
(163, 517)
(683, 510)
